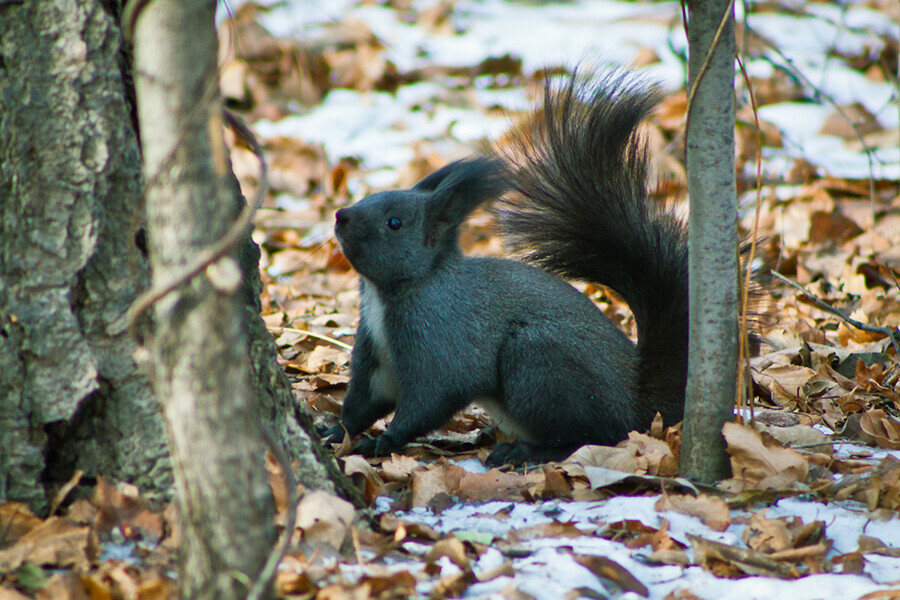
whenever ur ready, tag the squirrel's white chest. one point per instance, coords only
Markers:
(383, 378)
(372, 309)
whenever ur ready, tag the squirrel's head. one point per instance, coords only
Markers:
(401, 236)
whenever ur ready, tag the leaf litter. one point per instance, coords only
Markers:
(350, 97)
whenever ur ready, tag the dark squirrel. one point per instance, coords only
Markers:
(439, 330)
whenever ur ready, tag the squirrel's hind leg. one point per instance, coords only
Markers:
(556, 395)
(520, 452)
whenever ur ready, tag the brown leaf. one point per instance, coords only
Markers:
(11, 594)
(660, 460)
(451, 586)
(361, 471)
(832, 225)
(428, 483)
(398, 468)
(395, 585)
(504, 569)
(323, 358)
(620, 459)
(325, 518)
(758, 466)
(389, 524)
(681, 594)
(731, 561)
(125, 509)
(612, 571)
(16, 519)
(881, 429)
(64, 586)
(883, 488)
(545, 530)
(791, 378)
(656, 427)
(55, 542)
(798, 435)
(711, 510)
(555, 484)
(767, 535)
(872, 545)
(452, 548)
(882, 595)
(493, 485)
(278, 483)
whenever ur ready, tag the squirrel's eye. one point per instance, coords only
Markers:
(395, 223)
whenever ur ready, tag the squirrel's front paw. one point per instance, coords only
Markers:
(386, 444)
(365, 447)
(383, 445)
(333, 435)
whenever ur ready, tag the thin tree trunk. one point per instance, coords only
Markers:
(713, 363)
(201, 359)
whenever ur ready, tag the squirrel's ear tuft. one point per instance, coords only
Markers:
(458, 189)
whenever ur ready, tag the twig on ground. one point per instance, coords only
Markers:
(893, 335)
(312, 334)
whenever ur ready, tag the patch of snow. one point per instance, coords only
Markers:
(550, 572)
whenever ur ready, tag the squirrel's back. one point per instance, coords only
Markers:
(581, 209)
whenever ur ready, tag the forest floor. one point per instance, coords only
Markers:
(350, 97)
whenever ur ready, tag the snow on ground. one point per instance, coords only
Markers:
(379, 127)
(550, 572)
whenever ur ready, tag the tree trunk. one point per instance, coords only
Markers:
(713, 362)
(201, 360)
(71, 396)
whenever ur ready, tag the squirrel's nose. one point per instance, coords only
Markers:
(341, 217)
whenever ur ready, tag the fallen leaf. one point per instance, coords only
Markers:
(612, 571)
(398, 468)
(554, 529)
(731, 561)
(492, 485)
(621, 459)
(767, 535)
(452, 548)
(325, 518)
(428, 483)
(711, 510)
(880, 428)
(55, 542)
(659, 458)
(756, 465)
(125, 509)
(16, 519)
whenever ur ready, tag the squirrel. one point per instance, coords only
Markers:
(439, 330)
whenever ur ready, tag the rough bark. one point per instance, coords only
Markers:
(70, 393)
(713, 363)
(201, 359)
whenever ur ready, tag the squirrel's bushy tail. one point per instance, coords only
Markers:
(580, 209)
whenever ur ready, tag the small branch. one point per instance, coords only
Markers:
(893, 335)
(208, 256)
(802, 553)
(312, 334)
(743, 353)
